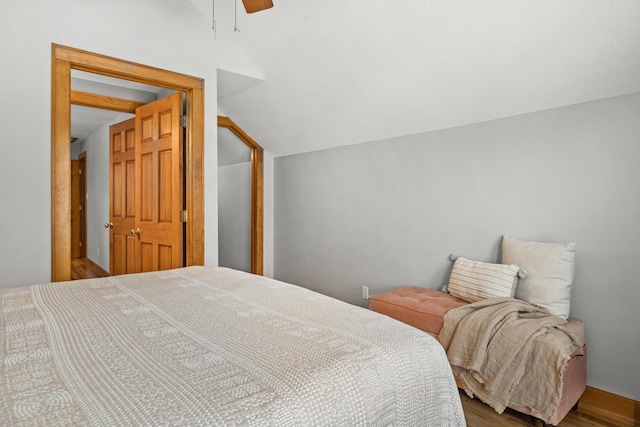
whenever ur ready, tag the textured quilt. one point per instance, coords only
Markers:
(211, 346)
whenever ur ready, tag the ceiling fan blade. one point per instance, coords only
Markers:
(257, 5)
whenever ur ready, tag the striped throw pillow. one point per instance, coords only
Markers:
(476, 281)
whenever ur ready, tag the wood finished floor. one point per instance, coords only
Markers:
(478, 414)
(84, 268)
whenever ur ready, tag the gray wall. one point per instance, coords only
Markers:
(234, 216)
(388, 213)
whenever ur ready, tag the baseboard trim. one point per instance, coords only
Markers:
(600, 403)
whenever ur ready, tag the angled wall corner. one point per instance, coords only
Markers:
(231, 83)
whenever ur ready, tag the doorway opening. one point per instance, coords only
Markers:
(257, 193)
(111, 250)
(65, 59)
(82, 267)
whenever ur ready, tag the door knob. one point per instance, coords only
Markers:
(134, 232)
(108, 225)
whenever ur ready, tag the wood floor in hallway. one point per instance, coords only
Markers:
(84, 268)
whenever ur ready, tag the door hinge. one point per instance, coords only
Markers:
(183, 120)
(80, 171)
(183, 216)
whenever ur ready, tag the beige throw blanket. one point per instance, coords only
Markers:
(507, 351)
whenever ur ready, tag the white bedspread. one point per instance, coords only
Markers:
(212, 346)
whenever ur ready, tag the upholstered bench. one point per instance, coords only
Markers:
(419, 307)
(425, 310)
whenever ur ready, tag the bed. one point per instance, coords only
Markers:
(212, 346)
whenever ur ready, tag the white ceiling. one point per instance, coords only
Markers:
(343, 72)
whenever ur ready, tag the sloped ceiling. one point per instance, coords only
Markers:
(344, 72)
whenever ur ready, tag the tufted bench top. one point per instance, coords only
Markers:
(419, 307)
(425, 308)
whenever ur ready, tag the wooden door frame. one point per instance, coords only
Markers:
(75, 209)
(82, 158)
(257, 193)
(63, 60)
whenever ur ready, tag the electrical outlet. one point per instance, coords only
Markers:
(365, 292)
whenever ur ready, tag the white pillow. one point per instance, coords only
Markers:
(476, 281)
(550, 267)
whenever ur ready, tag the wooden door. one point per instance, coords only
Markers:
(75, 209)
(82, 201)
(122, 192)
(158, 166)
